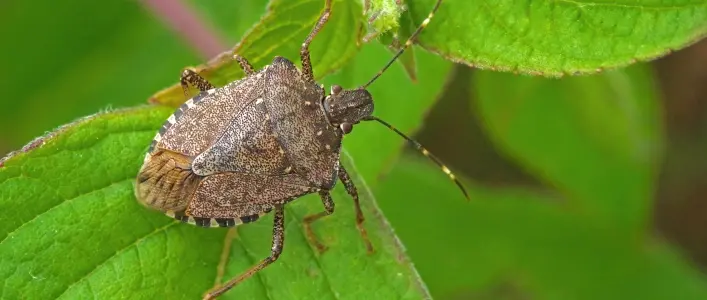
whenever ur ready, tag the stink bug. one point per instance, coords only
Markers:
(232, 154)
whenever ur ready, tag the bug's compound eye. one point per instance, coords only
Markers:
(346, 127)
(336, 89)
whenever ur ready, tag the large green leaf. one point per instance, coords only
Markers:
(511, 243)
(77, 231)
(595, 138)
(559, 37)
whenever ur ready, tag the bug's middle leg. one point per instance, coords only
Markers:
(308, 220)
(351, 190)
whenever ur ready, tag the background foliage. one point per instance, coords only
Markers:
(565, 174)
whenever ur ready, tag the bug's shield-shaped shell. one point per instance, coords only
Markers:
(237, 151)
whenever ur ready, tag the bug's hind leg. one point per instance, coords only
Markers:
(351, 190)
(307, 72)
(278, 241)
(192, 78)
(308, 220)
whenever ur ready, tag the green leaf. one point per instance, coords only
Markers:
(559, 37)
(284, 23)
(597, 139)
(78, 232)
(512, 243)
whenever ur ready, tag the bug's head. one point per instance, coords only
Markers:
(345, 108)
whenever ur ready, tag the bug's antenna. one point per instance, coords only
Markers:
(407, 44)
(424, 152)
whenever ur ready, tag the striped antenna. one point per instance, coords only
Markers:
(407, 44)
(424, 152)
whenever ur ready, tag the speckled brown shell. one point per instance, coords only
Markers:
(231, 154)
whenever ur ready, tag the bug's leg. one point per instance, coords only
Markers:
(278, 240)
(308, 220)
(245, 65)
(192, 78)
(307, 73)
(351, 189)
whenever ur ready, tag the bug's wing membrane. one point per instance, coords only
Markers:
(165, 183)
(233, 195)
(198, 123)
(247, 146)
(299, 124)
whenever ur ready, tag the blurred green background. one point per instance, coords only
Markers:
(578, 183)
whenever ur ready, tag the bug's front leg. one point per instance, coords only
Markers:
(192, 78)
(308, 220)
(307, 72)
(278, 241)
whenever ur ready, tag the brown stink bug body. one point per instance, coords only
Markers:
(231, 154)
